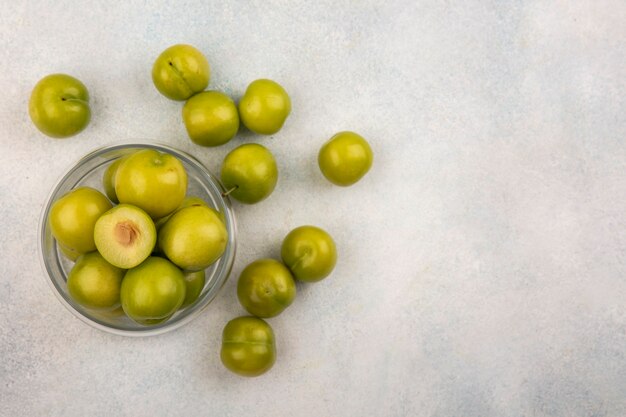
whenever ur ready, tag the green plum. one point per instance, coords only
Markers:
(264, 107)
(248, 346)
(73, 217)
(95, 283)
(266, 288)
(193, 238)
(153, 181)
(345, 158)
(125, 235)
(194, 283)
(180, 72)
(108, 179)
(152, 291)
(211, 118)
(249, 173)
(309, 253)
(59, 106)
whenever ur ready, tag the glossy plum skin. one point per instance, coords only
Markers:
(59, 106)
(250, 173)
(345, 158)
(248, 346)
(153, 181)
(152, 291)
(266, 288)
(211, 118)
(310, 253)
(180, 72)
(95, 283)
(193, 237)
(264, 107)
(73, 218)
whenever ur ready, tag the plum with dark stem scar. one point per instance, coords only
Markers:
(59, 106)
(180, 72)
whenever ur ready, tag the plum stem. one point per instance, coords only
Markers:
(225, 193)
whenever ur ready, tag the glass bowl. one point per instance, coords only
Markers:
(88, 172)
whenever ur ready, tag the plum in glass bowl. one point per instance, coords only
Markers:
(88, 172)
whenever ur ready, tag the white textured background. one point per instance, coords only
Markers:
(482, 265)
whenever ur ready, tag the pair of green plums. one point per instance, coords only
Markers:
(115, 242)
(250, 174)
(266, 287)
(212, 118)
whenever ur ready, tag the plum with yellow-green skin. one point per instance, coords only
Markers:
(108, 179)
(211, 118)
(125, 235)
(152, 291)
(193, 238)
(95, 283)
(73, 217)
(309, 252)
(153, 181)
(249, 173)
(248, 346)
(180, 72)
(266, 288)
(345, 158)
(264, 107)
(59, 106)
(194, 283)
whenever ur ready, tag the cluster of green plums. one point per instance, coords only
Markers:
(266, 287)
(59, 107)
(142, 245)
(212, 118)
(148, 253)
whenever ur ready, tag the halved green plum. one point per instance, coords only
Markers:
(125, 236)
